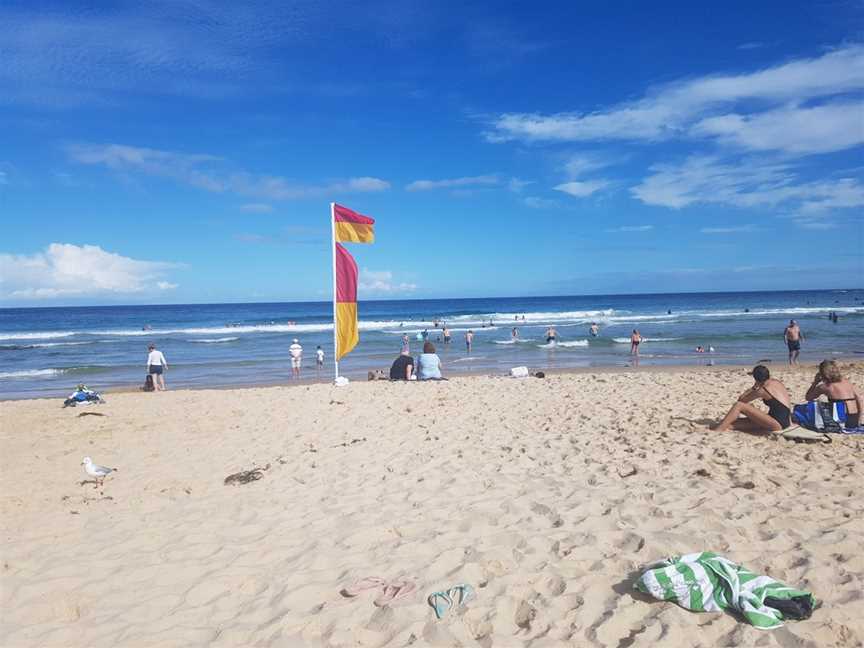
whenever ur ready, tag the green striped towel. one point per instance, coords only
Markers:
(706, 582)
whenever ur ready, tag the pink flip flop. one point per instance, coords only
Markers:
(393, 591)
(370, 582)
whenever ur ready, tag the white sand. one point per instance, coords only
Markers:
(513, 486)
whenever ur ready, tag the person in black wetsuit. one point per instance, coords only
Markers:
(773, 393)
(831, 383)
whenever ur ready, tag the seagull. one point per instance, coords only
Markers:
(95, 470)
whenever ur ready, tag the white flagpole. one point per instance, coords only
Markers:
(335, 339)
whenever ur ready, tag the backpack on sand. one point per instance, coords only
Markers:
(820, 416)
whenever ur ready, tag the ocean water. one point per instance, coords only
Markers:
(47, 351)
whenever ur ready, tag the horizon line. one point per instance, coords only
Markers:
(419, 299)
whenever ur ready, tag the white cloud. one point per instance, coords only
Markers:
(818, 129)
(67, 270)
(631, 228)
(516, 185)
(582, 189)
(201, 171)
(670, 111)
(814, 224)
(744, 183)
(737, 229)
(469, 181)
(540, 203)
(578, 165)
(364, 184)
(381, 281)
(256, 208)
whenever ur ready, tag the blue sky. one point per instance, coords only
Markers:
(170, 152)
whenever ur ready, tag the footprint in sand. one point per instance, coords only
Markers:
(525, 614)
(555, 586)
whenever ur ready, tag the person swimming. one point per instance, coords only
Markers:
(551, 335)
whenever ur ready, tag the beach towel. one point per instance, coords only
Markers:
(707, 582)
(83, 395)
(820, 416)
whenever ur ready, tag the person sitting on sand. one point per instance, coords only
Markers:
(402, 367)
(829, 382)
(429, 364)
(773, 394)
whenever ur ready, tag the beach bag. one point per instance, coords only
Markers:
(519, 372)
(148, 383)
(820, 416)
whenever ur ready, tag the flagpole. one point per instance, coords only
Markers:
(335, 337)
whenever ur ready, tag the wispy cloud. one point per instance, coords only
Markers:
(815, 224)
(3, 178)
(453, 183)
(206, 172)
(582, 189)
(631, 228)
(67, 270)
(382, 282)
(516, 185)
(535, 202)
(287, 236)
(750, 46)
(792, 129)
(744, 183)
(66, 54)
(579, 165)
(673, 110)
(738, 229)
(256, 208)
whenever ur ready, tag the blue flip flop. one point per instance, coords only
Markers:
(456, 596)
(440, 603)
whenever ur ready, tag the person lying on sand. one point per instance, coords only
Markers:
(831, 383)
(773, 394)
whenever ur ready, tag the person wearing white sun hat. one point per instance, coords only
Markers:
(296, 352)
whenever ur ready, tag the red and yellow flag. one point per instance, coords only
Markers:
(346, 302)
(351, 227)
(348, 227)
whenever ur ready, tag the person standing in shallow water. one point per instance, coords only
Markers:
(156, 366)
(296, 352)
(793, 337)
(635, 341)
(469, 339)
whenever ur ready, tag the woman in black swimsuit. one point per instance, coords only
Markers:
(831, 383)
(773, 394)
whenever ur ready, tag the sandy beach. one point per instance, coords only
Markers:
(548, 496)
